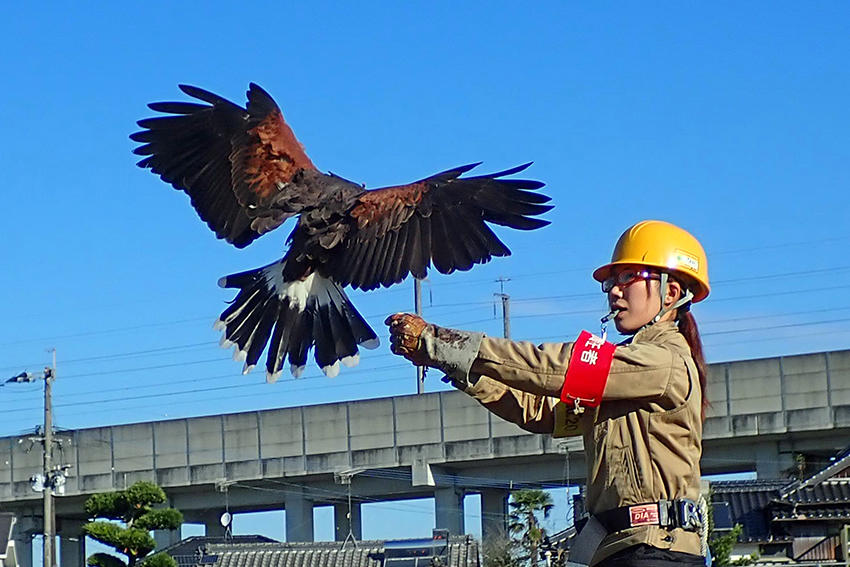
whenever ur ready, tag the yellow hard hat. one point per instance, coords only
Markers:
(659, 244)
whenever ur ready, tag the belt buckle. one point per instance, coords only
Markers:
(688, 514)
(664, 514)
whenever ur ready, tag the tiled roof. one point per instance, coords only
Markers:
(462, 552)
(749, 485)
(187, 551)
(833, 490)
(756, 503)
(748, 500)
(323, 554)
(833, 471)
(811, 513)
(564, 538)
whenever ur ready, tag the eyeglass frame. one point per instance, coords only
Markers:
(611, 281)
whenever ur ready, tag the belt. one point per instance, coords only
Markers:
(680, 513)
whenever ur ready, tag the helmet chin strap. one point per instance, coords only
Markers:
(687, 296)
(662, 289)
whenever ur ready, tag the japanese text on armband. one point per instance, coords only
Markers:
(587, 372)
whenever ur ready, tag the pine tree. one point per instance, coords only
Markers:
(133, 508)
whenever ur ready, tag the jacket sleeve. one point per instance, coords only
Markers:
(531, 412)
(454, 352)
(536, 369)
(638, 371)
(643, 371)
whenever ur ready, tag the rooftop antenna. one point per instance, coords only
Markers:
(226, 519)
(344, 477)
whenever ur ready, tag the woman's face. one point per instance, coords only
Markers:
(637, 297)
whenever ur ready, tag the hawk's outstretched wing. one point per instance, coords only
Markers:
(443, 219)
(242, 167)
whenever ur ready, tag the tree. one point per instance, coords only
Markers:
(721, 544)
(523, 519)
(133, 508)
(499, 550)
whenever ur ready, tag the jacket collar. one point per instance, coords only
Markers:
(664, 332)
(655, 331)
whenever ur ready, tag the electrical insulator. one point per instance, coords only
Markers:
(59, 484)
(37, 481)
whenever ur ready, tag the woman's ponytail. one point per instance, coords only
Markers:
(688, 328)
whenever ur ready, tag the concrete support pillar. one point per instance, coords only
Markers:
(448, 508)
(212, 524)
(299, 516)
(166, 538)
(72, 551)
(23, 550)
(72, 543)
(342, 523)
(770, 462)
(494, 513)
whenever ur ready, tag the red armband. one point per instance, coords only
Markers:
(587, 373)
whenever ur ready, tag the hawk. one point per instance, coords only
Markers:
(246, 174)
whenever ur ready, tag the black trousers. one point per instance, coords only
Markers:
(648, 556)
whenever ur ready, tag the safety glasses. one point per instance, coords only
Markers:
(626, 278)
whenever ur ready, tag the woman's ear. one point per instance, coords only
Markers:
(674, 292)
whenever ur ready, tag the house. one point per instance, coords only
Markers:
(188, 551)
(801, 520)
(441, 549)
(7, 545)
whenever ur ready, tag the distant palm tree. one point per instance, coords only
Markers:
(523, 519)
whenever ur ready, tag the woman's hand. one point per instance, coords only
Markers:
(405, 337)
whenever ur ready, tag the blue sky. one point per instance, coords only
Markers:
(729, 119)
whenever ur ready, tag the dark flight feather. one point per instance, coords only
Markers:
(245, 173)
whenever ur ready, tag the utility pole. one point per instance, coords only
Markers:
(506, 307)
(49, 516)
(50, 479)
(417, 302)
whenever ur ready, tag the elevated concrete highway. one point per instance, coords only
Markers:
(440, 445)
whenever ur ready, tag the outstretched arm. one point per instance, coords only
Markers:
(454, 352)
(638, 371)
(529, 411)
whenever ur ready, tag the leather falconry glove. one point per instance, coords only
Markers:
(425, 344)
(406, 337)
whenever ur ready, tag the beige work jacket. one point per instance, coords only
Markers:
(642, 444)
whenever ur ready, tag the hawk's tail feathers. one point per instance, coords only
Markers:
(291, 318)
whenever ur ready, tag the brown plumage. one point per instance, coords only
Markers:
(246, 173)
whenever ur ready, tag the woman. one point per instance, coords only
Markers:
(639, 405)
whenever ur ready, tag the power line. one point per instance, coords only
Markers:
(772, 327)
(775, 315)
(222, 388)
(108, 331)
(116, 356)
(832, 269)
(781, 338)
(254, 395)
(292, 384)
(587, 270)
(386, 355)
(198, 345)
(780, 246)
